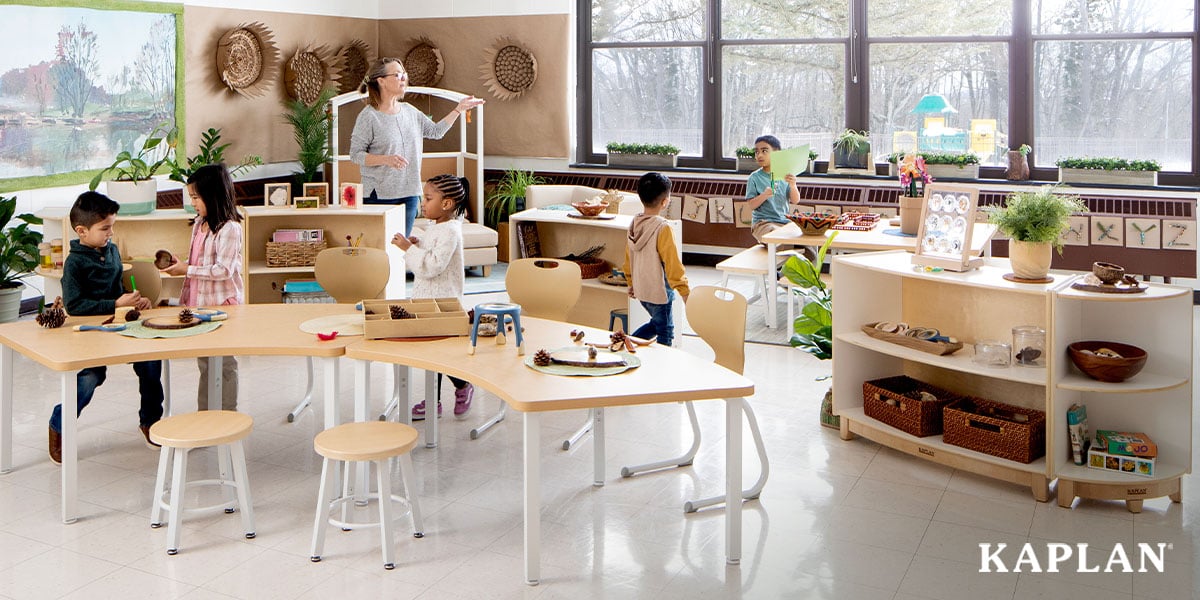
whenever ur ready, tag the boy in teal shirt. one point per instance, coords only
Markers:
(768, 197)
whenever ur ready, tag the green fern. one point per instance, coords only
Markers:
(310, 127)
(1036, 216)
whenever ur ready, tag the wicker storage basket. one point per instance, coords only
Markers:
(995, 435)
(591, 268)
(293, 254)
(892, 401)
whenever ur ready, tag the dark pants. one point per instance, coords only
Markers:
(661, 323)
(149, 387)
(411, 204)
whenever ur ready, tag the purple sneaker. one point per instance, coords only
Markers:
(462, 399)
(418, 410)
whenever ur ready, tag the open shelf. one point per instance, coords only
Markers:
(1141, 383)
(1084, 474)
(959, 361)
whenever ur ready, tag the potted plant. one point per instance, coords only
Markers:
(210, 153)
(1018, 163)
(812, 331)
(134, 187)
(852, 150)
(1108, 171)
(745, 159)
(1034, 221)
(508, 197)
(310, 128)
(18, 256)
(650, 156)
(941, 165)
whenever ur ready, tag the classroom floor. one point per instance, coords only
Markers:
(838, 519)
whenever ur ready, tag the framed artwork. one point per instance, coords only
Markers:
(947, 223)
(695, 209)
(1108, 231)
(350, 195)
(277, 194)
(320, 191)
(674, 210)
(306, 202)
(1077, 231)
(743, 215)
(1143, 233)
(1178, 234)
(720, 210)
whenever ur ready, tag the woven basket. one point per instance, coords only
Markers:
(591, 268)
(293, 254)
(910, 415)
(1022, 442)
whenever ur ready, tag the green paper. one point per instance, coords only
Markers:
(792, 161)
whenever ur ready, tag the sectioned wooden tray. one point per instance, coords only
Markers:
(940, 348)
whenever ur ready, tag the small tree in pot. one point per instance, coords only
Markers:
(1034, 221)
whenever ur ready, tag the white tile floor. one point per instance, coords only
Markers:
(838, 519)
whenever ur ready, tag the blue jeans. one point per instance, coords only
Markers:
(149, 387)
(411, 204)
(661, 323)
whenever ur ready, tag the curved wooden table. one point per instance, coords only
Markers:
(666, 375)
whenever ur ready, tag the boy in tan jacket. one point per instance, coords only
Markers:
(652, 266)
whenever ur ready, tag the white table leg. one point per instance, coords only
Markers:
(733, 480)
(533, 498)
(70, 446)
(362, 395)
(431, 411)
(333, 382)
(215, 363)
(6, 409)
(769, 292)
(598, 447)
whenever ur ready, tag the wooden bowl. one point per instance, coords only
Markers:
(813, 223)
(1111, 370)
(1107, 272)
(590, 210)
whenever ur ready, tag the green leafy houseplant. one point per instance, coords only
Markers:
(853, 142)
(211, 152)
(812, 331)
(1108, 164)
(1039, 216)
(310, 128)
(143, 164)
(18, 244)
(657, 149)
(744, 152)
(509, 192)
(1024, 149)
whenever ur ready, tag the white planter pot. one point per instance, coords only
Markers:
(135, 197)
(10, 303)
(1030, 260)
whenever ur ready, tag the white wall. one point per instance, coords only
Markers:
(471, 8)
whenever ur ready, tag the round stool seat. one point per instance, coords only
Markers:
(367, 440)
(202, 429)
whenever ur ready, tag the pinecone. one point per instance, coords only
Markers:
(133, 315)
(52, 316)
(398, 312)
(541, 358)
(617, 337)
(185, 316)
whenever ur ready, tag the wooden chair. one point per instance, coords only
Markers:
(546, 288)
(718, 316)
(349, 275)
(147, 277)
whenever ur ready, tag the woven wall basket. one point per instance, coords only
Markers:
(307, 73)
(424, 64)
(509, 69)
(352, 63)
(247, 59)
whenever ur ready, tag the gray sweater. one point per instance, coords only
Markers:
(402, 133)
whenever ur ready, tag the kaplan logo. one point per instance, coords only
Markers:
(1027, 560)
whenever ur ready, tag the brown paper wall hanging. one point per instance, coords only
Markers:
(424, 64)
(509, 70)
(307, 73)
(247, 59)
(352, 61)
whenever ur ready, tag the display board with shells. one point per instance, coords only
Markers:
(247, 59)
(307, 73)
(353, 60)
(424, 64)
(509, 69)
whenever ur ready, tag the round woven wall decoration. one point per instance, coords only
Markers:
(424, 64)
(509, 70)
(352, 61)
(247, 59)
(307, 73)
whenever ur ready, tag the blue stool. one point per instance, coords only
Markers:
(619, 313)
(505, 312)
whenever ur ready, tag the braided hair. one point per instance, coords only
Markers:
(456, 188)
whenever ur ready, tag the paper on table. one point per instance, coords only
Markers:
(789, 162)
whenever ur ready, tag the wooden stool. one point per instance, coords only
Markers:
(377, 442)
(180, 433)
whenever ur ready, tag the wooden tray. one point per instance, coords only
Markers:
(940, 348)
(171, 322)
(1089, 283)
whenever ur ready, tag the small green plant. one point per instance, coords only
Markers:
(143, 164)
(939, 158)
(812, 154)
(853, 142)
(1040, 215)
(660, 149)
(18, 245)
(310, 127)
(1108, 164)
(1024, 149)
(508, 193)
(744, 152)
(210, 153)
(812, 331)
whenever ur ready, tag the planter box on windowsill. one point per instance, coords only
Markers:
(746, 164)
(647, 161)
(1116, 176)
(941, 171)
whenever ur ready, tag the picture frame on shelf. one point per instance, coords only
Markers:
(320, 191)
(277, 194)
(947, 224)
(306, 202)
(350, 195)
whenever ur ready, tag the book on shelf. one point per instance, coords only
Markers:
(1126, 443)
(527, 240)
(1077, 430)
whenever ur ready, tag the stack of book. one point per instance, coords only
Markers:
(1127, 452)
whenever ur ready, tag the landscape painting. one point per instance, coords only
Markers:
(79, 85)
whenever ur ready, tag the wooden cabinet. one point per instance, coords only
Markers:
(980, 305)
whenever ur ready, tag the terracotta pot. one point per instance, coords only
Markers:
(910, 214)
(1018, 166)
(1030, 260)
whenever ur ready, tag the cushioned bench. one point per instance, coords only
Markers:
(479, 244)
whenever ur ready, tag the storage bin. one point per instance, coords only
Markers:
(433, 317)
(988, 427)
(293, 254)
(896, 401)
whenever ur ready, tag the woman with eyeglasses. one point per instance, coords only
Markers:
(389, 135)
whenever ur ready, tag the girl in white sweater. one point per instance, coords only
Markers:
(436, 261)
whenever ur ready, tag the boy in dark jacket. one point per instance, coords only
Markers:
(652, 265)
(91, 285)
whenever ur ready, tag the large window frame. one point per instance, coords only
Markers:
(857, 45)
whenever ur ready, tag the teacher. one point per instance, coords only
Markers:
(388, 138)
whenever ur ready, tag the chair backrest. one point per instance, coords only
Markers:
(718, 315)
(547, 288)
(353, 274)
(147, 277)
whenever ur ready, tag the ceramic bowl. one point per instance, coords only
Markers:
(813, 223)
(589, 210)
(1111, 370)
(1108, 273)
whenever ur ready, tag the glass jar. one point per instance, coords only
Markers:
(56, 252)
(992, 353)
(1029, 346)
(45, 258)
